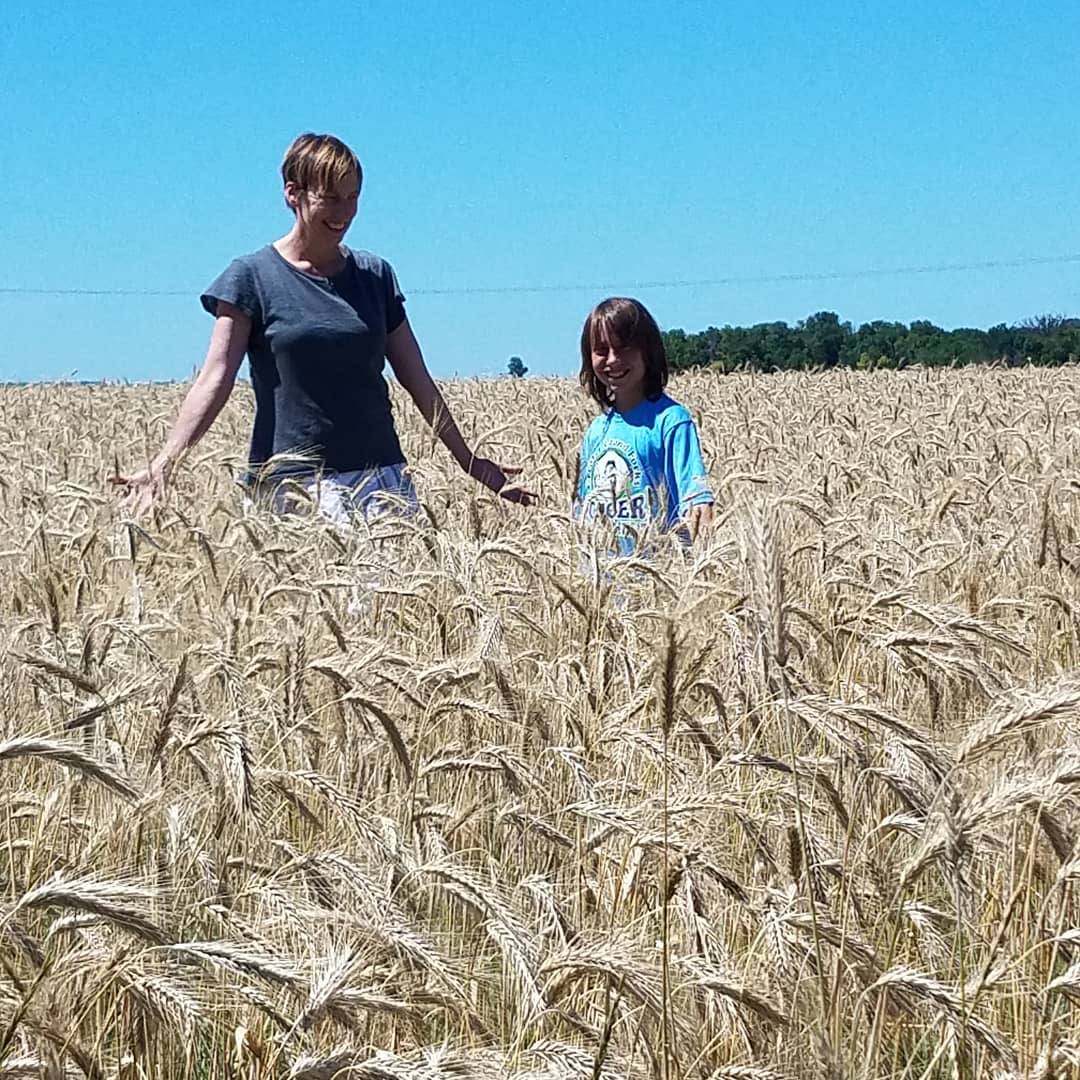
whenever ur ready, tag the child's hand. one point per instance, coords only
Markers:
(699, 520)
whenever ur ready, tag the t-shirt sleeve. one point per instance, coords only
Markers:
(234, 285)
(395, 298)
(686, 477)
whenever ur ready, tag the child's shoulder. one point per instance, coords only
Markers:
(670, 413)
(598, 423)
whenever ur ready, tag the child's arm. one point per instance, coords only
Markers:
(687, 481)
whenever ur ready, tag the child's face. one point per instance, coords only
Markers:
(621, 368)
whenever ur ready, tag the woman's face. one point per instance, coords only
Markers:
(327, 213)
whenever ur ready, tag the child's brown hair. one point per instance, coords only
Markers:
(621, 322)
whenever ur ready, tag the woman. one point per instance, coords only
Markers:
(317, 320)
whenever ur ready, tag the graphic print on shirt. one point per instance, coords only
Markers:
(616, 484)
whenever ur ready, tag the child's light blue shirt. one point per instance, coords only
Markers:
(641, 466)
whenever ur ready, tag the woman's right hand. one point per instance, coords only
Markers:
(201, 405)
(141, 490)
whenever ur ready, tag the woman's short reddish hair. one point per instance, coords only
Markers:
(319, 163)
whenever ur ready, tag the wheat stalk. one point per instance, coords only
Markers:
(118, 902)
(70, 757)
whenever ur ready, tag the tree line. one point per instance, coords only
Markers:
(823, 341)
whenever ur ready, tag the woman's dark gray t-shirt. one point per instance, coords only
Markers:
(316, 351)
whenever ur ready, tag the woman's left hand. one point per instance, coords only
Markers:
(497, 478)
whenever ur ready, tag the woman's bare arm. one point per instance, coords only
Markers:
(203, 402)
(403, 352)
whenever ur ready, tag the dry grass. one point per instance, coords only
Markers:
(456, 798)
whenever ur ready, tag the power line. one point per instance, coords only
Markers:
(18, 290)
(622, 286)
(764, 279)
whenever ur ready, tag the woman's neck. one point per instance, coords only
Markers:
(303, 252)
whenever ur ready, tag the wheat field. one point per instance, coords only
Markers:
(459, 798)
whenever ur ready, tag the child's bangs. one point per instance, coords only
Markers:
(617, 326)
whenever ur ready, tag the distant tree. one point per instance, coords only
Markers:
(516, 368)
(1047, 324)
(822, 340)
(681, 349)
(880, 344)
(823, 337)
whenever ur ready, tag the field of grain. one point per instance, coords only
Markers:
(457, 798)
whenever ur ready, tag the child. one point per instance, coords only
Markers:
(640, 459)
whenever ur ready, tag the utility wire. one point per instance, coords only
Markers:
(676, 283)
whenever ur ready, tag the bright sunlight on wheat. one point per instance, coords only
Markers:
(456, 798)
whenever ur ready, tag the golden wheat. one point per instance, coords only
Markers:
(458, 797)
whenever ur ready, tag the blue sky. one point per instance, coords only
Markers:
(558, 144)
